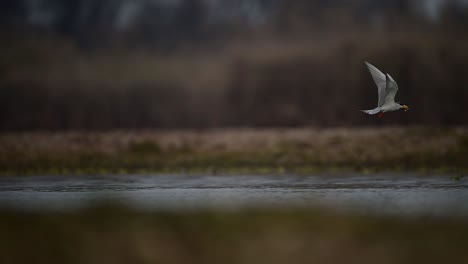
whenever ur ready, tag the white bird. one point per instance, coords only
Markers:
(388, 88)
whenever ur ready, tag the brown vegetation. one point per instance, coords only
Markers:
(235, 150)
(315, 81)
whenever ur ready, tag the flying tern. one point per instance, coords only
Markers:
(387, 88)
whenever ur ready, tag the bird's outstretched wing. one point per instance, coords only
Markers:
(391, 90)
(380, 80)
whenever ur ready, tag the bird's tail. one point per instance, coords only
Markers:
(372, 111)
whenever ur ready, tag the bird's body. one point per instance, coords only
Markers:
(387, 88)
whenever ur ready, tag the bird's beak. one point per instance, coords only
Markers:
(405, 107)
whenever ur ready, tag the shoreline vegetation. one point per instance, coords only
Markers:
(236, 151)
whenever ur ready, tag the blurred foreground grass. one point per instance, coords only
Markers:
(236, 151)
(116, 235)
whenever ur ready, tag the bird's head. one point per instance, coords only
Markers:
(405, 107)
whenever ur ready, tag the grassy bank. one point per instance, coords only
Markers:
(236, 151)
(107, 235)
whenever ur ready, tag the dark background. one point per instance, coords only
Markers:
(109, 64)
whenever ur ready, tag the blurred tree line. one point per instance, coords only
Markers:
(92, 22)
(89, 64)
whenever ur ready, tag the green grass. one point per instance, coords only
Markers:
(117, 235)
(236, 151)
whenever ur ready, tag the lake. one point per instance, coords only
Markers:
(382, 194)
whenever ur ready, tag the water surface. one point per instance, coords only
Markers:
(402, 194)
